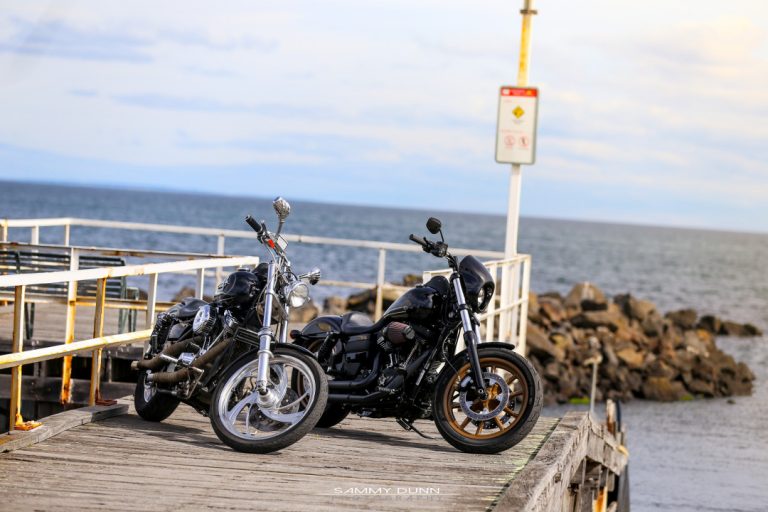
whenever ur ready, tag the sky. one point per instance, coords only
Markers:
(651, 112)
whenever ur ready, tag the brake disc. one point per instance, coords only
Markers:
(491, 407)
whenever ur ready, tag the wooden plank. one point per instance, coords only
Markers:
(58, 423)
(125, 463)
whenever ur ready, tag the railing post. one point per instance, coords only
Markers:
(34, 235)
(4, 230)
(515, 296)
(66, 233)
(380, 284)
(69, 337)
(200, 284)
(219, 250)
(98, 332)
(504, 303)
(521, 346)
(151, 301)
(490, 323)
(17, 345)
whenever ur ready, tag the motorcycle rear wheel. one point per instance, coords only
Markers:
(500, 421)
(334, 413)
(299, 392)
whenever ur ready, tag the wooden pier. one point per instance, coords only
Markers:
(125, 463)
(107, 458)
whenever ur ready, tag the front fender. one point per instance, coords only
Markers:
(491, 344)
(279, 347)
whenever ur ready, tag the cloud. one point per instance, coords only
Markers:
(61, 40)
(669, 107)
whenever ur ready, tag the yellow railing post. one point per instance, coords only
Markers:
(98, 332)
(17, 345)
(15, 420)
(69, 337)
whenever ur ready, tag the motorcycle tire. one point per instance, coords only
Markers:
(243, 369)
(501, 421)
(334, 413)
(151, 405)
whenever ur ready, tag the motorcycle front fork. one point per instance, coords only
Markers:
(471, 337)
(265, 334)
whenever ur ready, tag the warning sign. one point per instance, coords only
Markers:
(516, 125)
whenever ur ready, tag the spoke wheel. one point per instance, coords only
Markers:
(505, 403)
(504, 417)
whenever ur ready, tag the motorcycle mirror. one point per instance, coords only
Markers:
(434, 225)
(313, 276)
(282, 208)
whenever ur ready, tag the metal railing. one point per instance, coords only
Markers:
(507, 314)
(221, 234)
(20, 282)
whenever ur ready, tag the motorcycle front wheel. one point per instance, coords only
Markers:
(500, 421)
(250, 422)
(150, 404)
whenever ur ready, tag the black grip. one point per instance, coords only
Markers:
(254, 225)
(419, 240)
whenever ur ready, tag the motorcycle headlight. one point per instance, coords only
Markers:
(484, 297)
(297, 294)
(480, 297)
(203, 321)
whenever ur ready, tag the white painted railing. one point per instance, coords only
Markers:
(221, 235)
(507, 314)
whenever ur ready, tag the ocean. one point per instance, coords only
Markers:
(701, 455)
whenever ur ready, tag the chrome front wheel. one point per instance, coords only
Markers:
(250, 421)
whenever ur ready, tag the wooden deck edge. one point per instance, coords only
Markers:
(61, 422)
(546, 478)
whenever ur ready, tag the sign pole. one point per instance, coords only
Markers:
(510, 280)
(515, 179)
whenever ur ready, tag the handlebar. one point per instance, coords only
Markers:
(254, 225)
(438, 249)
(419, 240)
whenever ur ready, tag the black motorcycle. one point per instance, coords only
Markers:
(484, 399)
(227, 360)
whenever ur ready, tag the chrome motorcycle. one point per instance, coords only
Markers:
(229, 359)
(485, 399)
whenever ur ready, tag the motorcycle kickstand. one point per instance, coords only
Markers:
(408, 426)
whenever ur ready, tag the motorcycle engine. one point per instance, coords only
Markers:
(396, 341)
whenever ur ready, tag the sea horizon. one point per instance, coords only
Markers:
(197, 193)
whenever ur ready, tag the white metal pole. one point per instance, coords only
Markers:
(510, 276)
(515, 179)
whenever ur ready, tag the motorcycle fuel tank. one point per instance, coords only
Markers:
(415, 304)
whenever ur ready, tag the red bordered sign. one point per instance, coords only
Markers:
(516, 125)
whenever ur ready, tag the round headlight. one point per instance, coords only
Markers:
(297, 294)
(481, 298)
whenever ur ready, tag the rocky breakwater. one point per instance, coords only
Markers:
(643, 353)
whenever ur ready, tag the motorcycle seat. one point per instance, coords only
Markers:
(354, 323)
